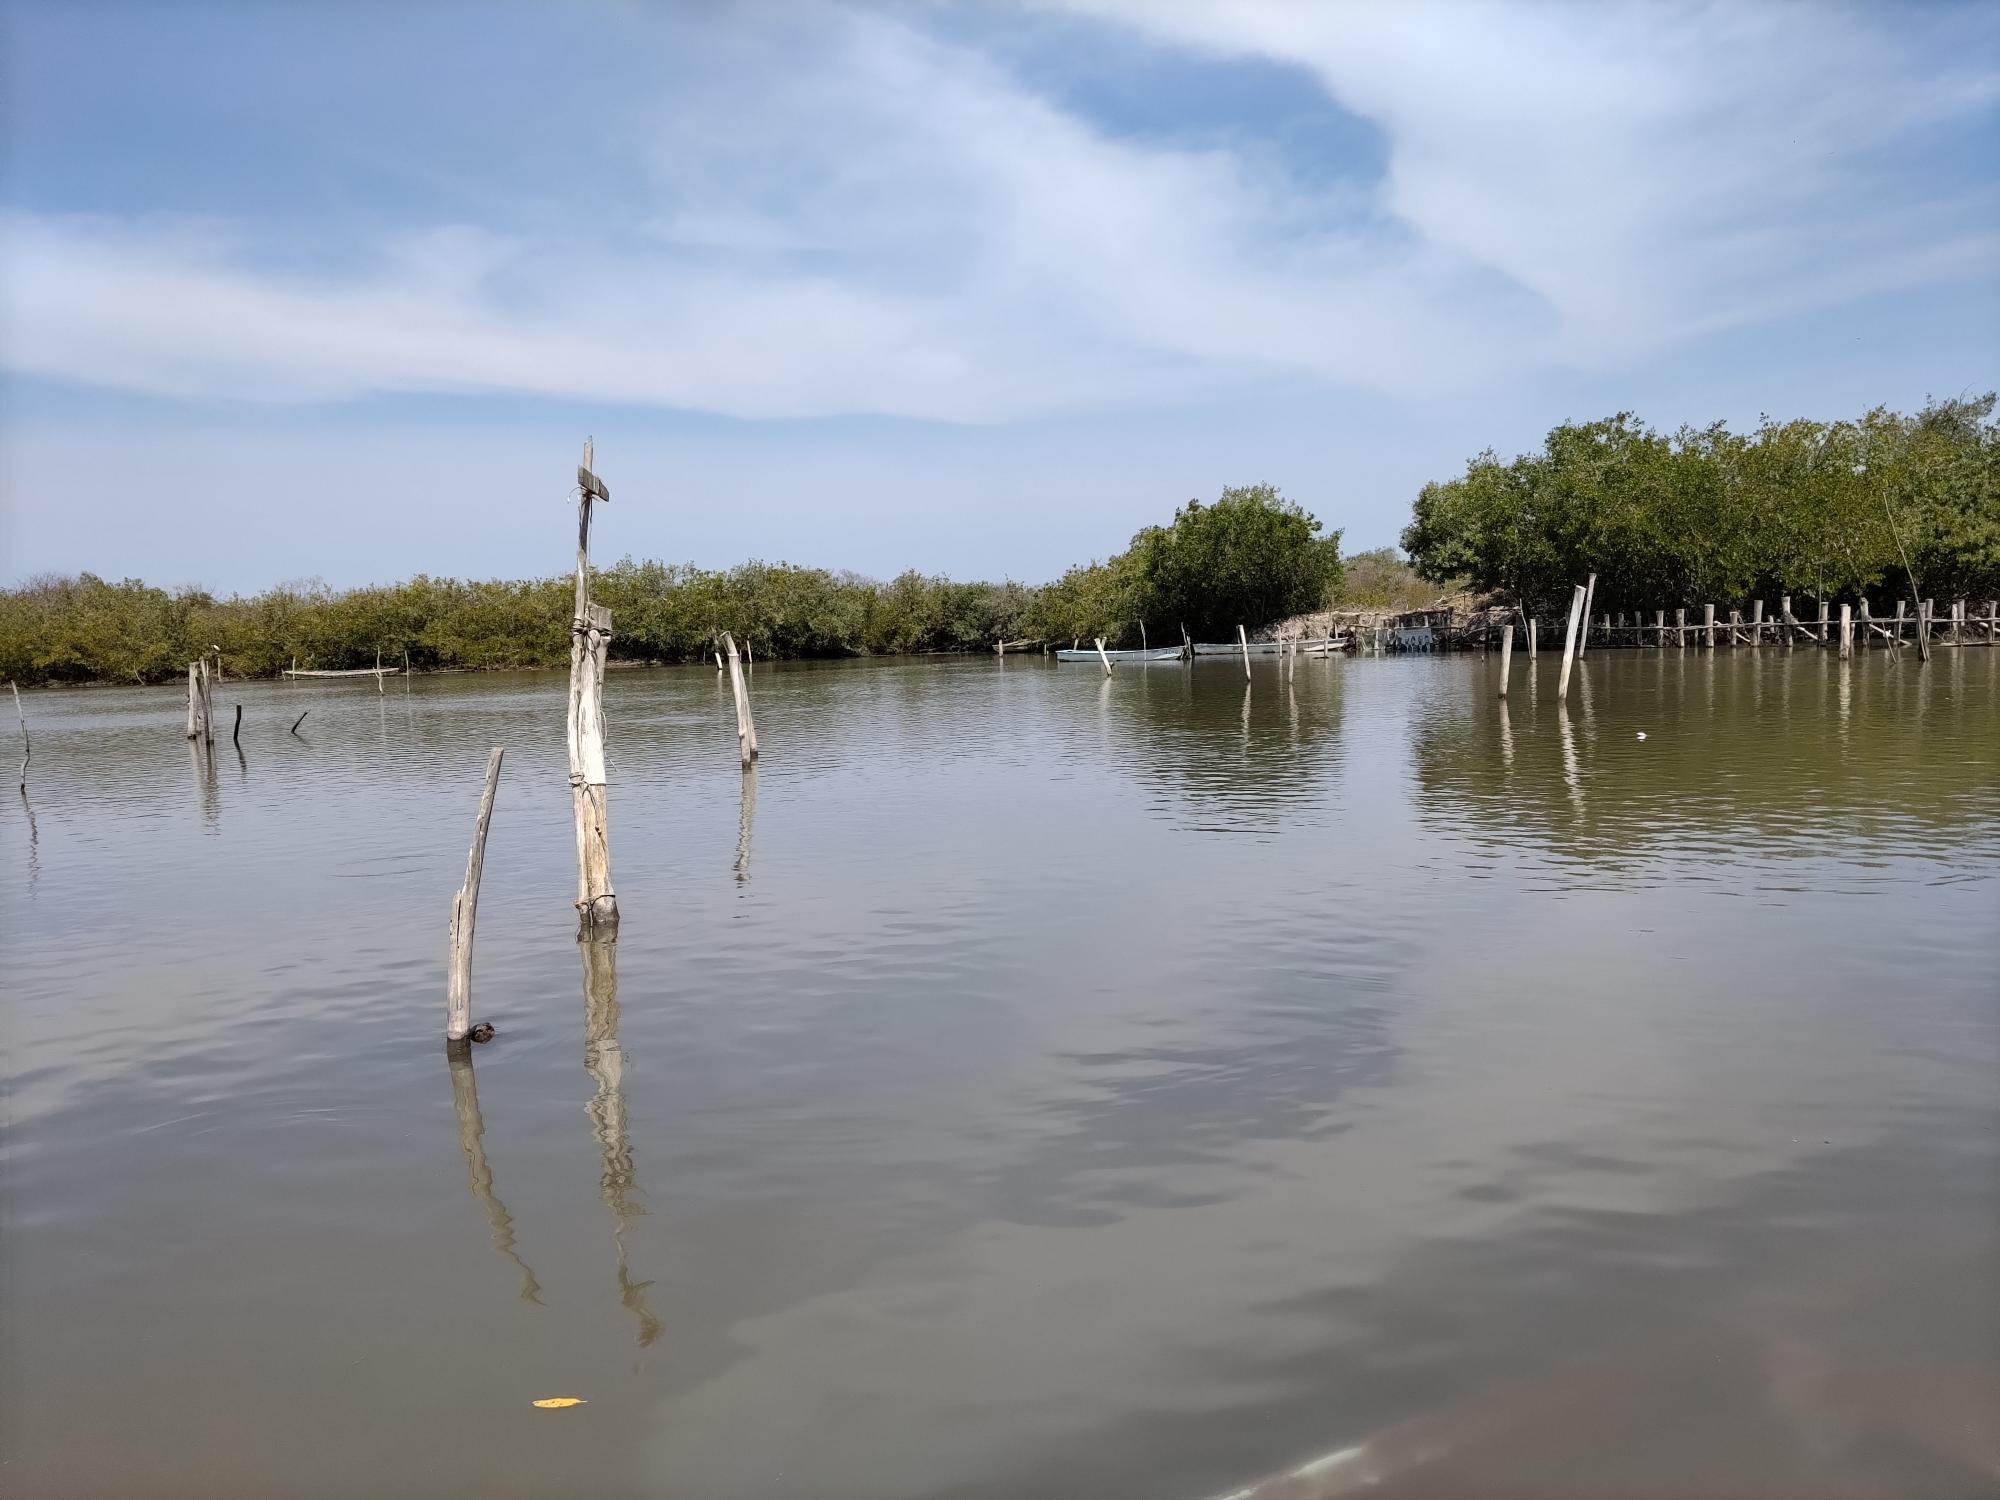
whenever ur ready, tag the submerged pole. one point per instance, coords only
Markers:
(1570, 643)
(746, 727)
(27, 750)
(465, 910)
(590, 644)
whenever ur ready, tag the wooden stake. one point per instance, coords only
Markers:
(1756, 622)
(1846, 631)
(1589, 593)
(746, 728)
(1708, 623)
(590, 644)
(236, 734)
(1102, 657)
(1506, 654)
(1531, 639)
(27, 750)
(1569, 643)
(1243, 639)
(298, 721)
(465, 910)
(194, 702)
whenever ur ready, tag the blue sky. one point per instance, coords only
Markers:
(296, 290)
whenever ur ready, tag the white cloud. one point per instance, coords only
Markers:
(847, 215)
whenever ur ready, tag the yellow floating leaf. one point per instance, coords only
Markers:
(553, 1401)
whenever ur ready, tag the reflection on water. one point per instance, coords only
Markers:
(1119, 1087)
(478, 1174)
(604, 1061)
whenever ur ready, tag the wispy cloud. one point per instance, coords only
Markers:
(848, 214)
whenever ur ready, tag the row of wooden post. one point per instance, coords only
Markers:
(1960, 626)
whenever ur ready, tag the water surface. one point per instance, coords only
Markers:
(1028, 1084)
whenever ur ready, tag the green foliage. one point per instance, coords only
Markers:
(1805, 508)
(1253, 557)
(1383, 579)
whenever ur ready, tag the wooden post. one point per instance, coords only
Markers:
(1958, 623)
(465, 910)
(1708, 624)
(1822, 620)
(1681, 626)
(1756, 622)
(1142, 637)
(1583, 640)
(1569, 643)
(1243, 639)
(1925, 610)
(1846, 631)
(236, 734)
(1899, 622)
(27, 750)
(746, 728)
(1506, 654)
(298, 721)
(194, 702)
(1531, 638)
(590, 644)
(1787, 625)
(1102, 657)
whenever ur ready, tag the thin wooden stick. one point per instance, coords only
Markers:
(1243, 639)
(298, 721)
(27, 750)
(236, 734)
(1589, 594)
(465, 910)
(1569, 643)
(1102, 657)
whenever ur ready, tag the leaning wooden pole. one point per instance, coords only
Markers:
(1589, 596)
(1102, 657)
(464, 910)
(590, 644)
(27, 750)
(1243, 640)
(1506, 654)
(1569, 644)
(746, 726)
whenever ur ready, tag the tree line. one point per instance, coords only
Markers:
(1251, 556)
(1704, 515)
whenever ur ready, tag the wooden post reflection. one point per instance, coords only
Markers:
(604, 1061)
(745, 817)
(478, 1175)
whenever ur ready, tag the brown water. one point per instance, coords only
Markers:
(1047, 1087)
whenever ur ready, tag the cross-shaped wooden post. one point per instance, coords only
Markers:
(590, 641)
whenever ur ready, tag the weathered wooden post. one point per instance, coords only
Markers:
(1589, 594)
(1708, 624)
(194, 701)
(236, 734)
(1102, 657)
(746, 728)
(590, 643)
(27, 750)
(1756, 622)
(1143, 647)
(1569, 644)
(1243, 640)
(1958, 623)
(465, 910)
(1822, 620)
(1531, 638)
(1846, 631)
(1506, 654)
